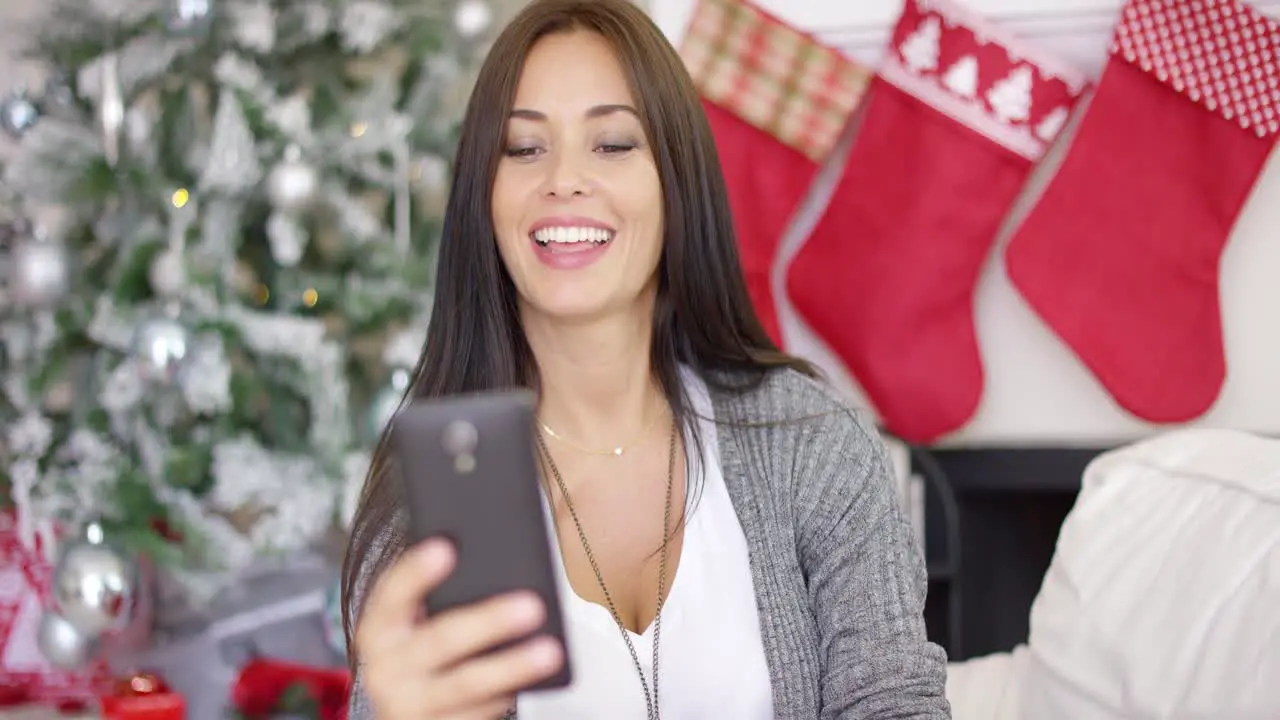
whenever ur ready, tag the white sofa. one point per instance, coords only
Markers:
(1163, 597)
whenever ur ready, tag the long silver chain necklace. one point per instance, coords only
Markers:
(650, 703)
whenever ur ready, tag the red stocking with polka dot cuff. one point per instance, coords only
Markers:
(777, 100)
(1120, 255)
(952, 125)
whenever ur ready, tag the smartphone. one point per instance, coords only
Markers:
(470, 474)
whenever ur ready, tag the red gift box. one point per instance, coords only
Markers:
(262, 688)
(142, 697)
(25, 590)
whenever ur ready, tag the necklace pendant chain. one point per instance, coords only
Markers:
(651, 701)
(616, 451)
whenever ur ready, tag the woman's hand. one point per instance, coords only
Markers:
(418, 668)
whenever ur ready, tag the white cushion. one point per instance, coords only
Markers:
(1163, 597)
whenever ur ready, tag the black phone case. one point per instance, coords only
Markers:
(489, 506)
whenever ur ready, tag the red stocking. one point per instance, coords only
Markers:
(777, 101)
(766, 181)
(1120, 255)
(953, 123)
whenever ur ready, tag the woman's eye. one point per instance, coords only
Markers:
(615, 148)
(522, 152)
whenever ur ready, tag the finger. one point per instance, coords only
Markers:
(407, 695)
(394, 603)
(411, 697)
(495, 710)
(450, 637)
(497, 676)
(460, 633)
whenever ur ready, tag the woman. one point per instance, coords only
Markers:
(729, 534)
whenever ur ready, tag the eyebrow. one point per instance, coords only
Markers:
(594, 112)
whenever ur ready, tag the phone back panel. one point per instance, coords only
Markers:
(470, 472)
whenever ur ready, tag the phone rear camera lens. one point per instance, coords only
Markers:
(460, 438)
(465, 463)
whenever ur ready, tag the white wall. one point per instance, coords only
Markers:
(1037, 391)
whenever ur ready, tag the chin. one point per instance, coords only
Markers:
(571, 310)
(575, 304)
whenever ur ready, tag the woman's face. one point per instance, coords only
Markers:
(577, 204)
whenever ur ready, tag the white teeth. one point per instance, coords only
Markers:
(596, 235)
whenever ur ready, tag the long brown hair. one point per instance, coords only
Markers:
(703, 318)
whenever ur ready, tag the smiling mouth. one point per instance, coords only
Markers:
(571, 238)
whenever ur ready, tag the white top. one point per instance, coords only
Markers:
(1163, 596)
(711, 657)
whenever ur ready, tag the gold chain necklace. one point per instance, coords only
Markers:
(651, 704)
(618, 451)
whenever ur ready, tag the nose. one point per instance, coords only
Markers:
(566, 175)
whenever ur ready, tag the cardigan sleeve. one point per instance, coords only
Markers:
(358, 706)
(866, 579)
(358, 702)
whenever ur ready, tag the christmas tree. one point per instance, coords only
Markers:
(218, 233)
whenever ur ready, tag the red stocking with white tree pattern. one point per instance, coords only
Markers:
(952, 125)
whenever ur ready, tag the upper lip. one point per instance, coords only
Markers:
(568, 221)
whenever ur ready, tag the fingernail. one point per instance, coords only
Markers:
(544, 653)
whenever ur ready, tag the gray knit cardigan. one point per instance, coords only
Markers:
(839, 577)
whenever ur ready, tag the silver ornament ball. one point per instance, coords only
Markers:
(472, 18)
(94, 586)
(18, 114)
(161, 346)
(293, 184)
(189, 18)
(40, 272)
(64, 645)
(287, 238)
(167, 273)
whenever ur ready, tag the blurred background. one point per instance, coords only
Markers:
(1011, 228)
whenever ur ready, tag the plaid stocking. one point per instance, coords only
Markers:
(777, 101)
